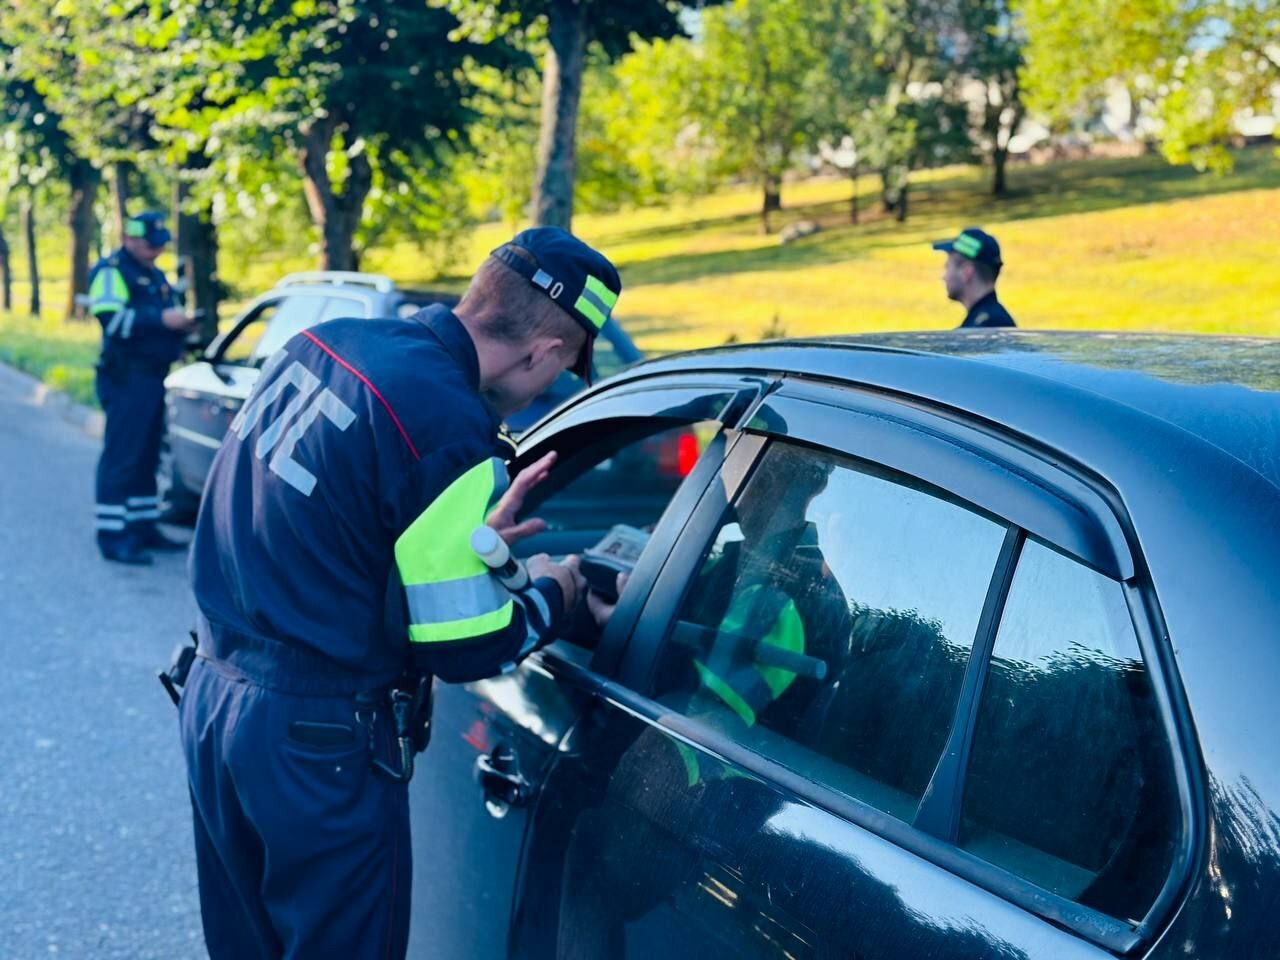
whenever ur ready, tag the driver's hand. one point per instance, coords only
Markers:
(177, 319)
(503, 517)
(601, 608)
(566, 574)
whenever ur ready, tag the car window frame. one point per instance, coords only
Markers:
(690, 400)
(819, 416)
(216, 350)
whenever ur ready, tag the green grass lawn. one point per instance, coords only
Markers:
(1128, 244)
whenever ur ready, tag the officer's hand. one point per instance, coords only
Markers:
(566, 574)
(176, 319)
(503, 517)
(601, 608)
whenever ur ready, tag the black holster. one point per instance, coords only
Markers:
(410, 704)
(173, 679)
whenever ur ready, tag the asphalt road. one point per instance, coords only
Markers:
(96, 853)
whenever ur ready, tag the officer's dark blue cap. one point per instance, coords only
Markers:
(580, 279)
(149, 227)
(975, 244)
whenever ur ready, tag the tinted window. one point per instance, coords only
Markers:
(830, 624)
(1069, 781)
(295, 314)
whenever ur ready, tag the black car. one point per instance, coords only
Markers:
(202, 398)
(958, 645)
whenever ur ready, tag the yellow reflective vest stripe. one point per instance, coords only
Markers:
(450, 592)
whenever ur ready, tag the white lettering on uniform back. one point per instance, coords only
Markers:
(274, 435)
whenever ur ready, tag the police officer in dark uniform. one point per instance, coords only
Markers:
(334, 567)
(143, 329)
(973, 264)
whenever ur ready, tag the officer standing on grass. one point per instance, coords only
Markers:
(333, 569)
(973, 264)
(143, 330)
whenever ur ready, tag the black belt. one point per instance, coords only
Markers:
(116, 362)
(284, 667)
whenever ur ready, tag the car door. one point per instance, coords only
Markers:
(492, 741)
(886, 705)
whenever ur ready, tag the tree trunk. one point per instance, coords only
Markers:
(29, 238)
(772, 201)
(6, 274)
(999, 183)
(902, 203)
(197, 246)
(120, 194)
(558, 136)
(888, 196)
(83, 179)
(336, 215)
(853, 199)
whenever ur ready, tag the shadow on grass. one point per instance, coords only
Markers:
(1075, 187)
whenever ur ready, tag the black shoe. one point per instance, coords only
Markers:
(126, 551)
(153, 539)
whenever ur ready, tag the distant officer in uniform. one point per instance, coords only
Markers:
(973, 264)
(143, 329)
(333, 569)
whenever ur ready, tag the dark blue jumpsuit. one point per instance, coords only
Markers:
(137, 350)
(331, 555)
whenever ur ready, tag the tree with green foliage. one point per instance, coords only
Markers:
(569, 28)
(370, 96)
(1194, 67)
(986, 49)
(755, 67)
(921, 115)
(40, 149)
(846, 124)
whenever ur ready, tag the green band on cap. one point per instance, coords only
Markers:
(967, 246)
(588, 308)
(135, 228)
(603, 293)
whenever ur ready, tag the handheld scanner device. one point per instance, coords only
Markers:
(496, 555)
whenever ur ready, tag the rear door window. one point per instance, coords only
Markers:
(1069, 782)
(830, 623)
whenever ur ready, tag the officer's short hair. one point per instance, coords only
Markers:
(985, 272)
(513, 311)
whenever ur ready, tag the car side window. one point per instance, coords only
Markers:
(242, 347)
(297, 313)
(1069, 782)
(830, 624)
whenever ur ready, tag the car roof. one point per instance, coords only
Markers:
(1223, 390)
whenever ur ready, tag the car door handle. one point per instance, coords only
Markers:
(500, 778)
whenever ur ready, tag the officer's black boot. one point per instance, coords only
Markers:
(123, 550)
(151, 538)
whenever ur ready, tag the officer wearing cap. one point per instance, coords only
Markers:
(142, 334)
(973, 264)
(333, 570)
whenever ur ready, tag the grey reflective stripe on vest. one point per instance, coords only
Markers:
(455, 599)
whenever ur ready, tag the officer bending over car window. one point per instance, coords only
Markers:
(143, 330)
(335, 573)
